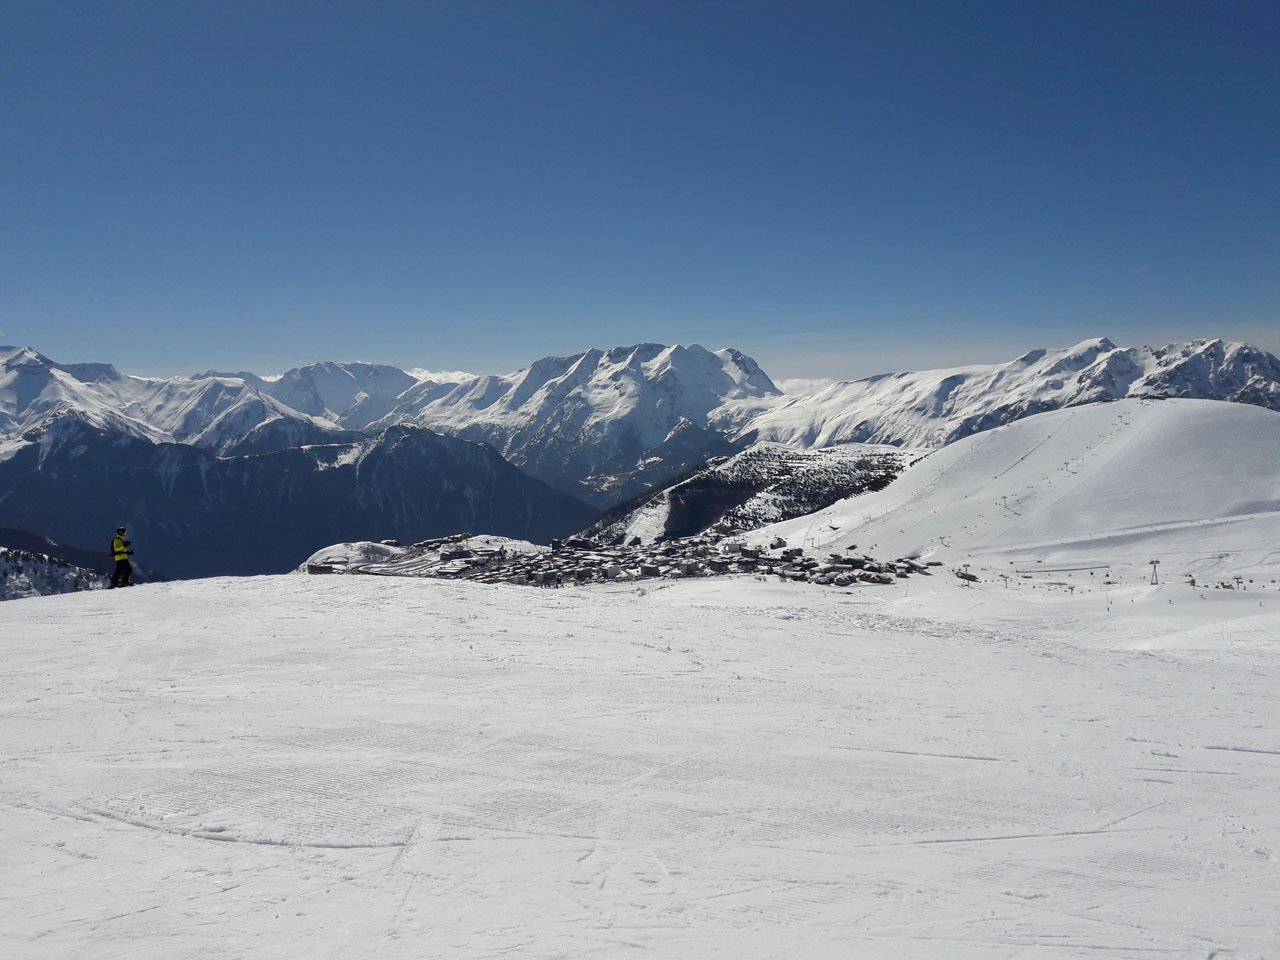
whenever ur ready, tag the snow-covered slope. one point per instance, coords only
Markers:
(766, 483)
(935, 407)
(423, 559)
(1183, 480)
(360, 767)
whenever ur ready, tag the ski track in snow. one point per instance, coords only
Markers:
(370, 767)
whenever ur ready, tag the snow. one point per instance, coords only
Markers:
(370, 766)
(1191, 482)
(441, 376)
(211, 411)
(648, 384)
(420, 559)
(931, 408)
(803, 385)
(1061, 759)
(605, 425)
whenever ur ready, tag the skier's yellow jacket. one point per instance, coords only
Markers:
(118, 549)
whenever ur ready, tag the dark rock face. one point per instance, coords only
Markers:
(192, 514)
(95, 560)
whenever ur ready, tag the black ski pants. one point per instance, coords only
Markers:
(124, 570)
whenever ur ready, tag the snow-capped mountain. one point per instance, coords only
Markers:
(352, 395)
(604, 424)
(224, 414)
(935, 407)
(1189, 482)
(766, 483)
(192, 513)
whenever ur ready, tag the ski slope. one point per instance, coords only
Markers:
(359, 767)
(1195, 483)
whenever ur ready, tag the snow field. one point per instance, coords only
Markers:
(1185, 481)
(376, 767)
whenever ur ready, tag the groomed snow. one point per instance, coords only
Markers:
(1194, 483)
(355, 767)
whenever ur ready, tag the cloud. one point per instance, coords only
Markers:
(803, 386)
(448, 376)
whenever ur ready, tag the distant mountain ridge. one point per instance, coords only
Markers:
(607, 425)
(601, 425)
(935, 407)
(192, 513)
(98, 561)
(225, 415)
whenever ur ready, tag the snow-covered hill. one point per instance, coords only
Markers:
(935, 407)
(379, 767)
(1192, 482)
(766, 483)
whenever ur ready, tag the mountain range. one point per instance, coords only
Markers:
(237, 472)
(192, 513)
(935, 407)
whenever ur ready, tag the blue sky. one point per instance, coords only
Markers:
(836, 188)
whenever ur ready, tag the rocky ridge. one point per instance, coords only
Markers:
(766, 483)
(27, 573)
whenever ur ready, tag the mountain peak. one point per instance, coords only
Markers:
(1093, 345)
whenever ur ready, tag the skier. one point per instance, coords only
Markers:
(121, 552)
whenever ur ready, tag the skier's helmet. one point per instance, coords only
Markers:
(119, 529)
